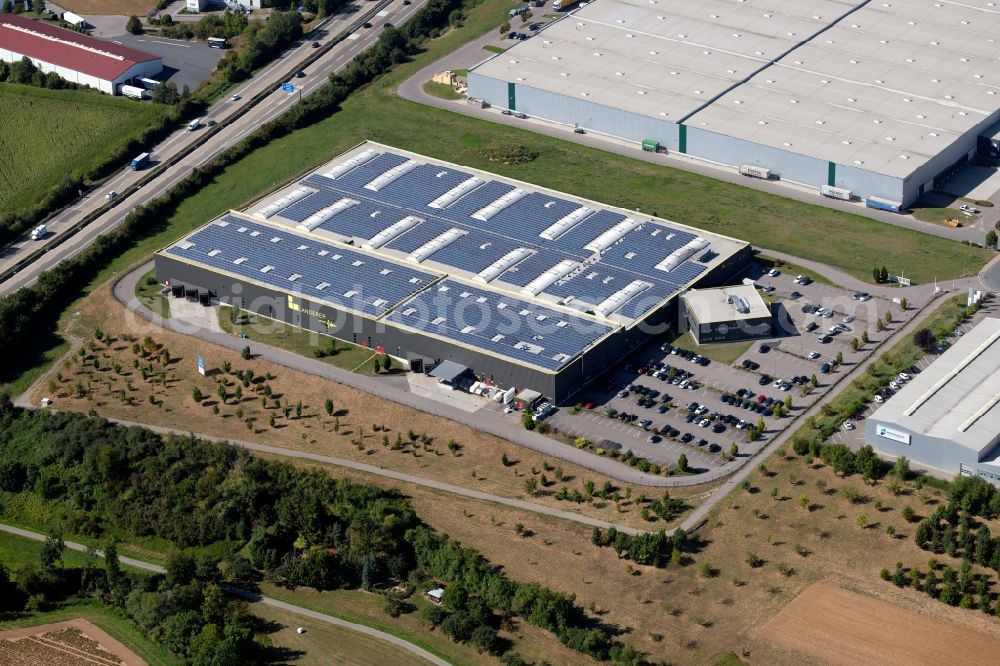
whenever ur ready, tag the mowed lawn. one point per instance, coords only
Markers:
(51, 134)
(851, 242)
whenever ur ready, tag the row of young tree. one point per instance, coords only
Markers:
(262, 42)
(301, 526)
(842, 460)
(185, 611)
(25, 72)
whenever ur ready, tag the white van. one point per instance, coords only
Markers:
(39, 232)
(194, 124)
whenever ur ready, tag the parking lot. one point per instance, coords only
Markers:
(184, 62)
(661, 404)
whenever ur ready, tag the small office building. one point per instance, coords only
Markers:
(725, 314)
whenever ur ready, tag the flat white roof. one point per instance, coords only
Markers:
(958, 396)
(735, 303)
(883, 86)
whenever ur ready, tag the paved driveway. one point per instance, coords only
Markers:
(184, 62)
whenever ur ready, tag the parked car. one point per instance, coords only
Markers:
(825, 368)
(653, 439)
(966, 208)
(795, 295)
(811, 326)
(879, 399)
(813, 355)
(687, 437)
(848, 425)
(774, 272)
(763, 349)
(905, 377)
(848, 319)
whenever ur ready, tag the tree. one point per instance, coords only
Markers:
(39, 6)
(864, 337)
(924, 339)
(298, 409)
(734, 450)
(868, 464)
(862, 520)
(245, 352)
(879, 326)
(991, 238)
(377, 366)
(814, 381)
(901, 469)
(504, 28)
(197, 395)
(788, 403)
(840, 357)
(682, 463)
(904, 304)
(133, 25)
(51, 552)
(386, 362)
(855, 343)
(180, 569)
(530, 485)
(328, 407)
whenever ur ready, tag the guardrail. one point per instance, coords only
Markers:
(191, 147)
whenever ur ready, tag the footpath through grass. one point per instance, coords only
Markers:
(51, 134)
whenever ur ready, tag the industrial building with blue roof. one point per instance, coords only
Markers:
(430, 261)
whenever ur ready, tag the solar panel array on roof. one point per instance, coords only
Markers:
(500, 323)
(507, 218)
(353, 280)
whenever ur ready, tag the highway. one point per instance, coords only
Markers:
(230, 129)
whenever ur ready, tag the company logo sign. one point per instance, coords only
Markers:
(894, 435)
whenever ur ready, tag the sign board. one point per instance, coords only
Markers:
(288, 87)
(894, 435)
(201, 365)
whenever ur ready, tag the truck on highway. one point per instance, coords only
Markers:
(140, 162)
(194, 124)
(39, 232)
(134, 92)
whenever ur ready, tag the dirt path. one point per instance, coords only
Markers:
(828, 624)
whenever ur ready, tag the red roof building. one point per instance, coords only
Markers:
(78, 58)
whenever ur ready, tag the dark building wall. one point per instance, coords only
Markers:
(559, 387)
(357, 329)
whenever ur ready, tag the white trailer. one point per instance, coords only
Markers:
(148, 84)
(134, 92)
(73, 19)
(755, 171)
(835, 192)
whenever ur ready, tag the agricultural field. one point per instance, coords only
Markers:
(75, 642)
(50, 135)
(110, 7)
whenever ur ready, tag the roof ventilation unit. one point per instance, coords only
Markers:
(612, 235)
(741, 304)
(321, 216)
(546, 279)
(455, 193)
(566, 223)
(435, 244)
(682, 254)
(391, 175)
(484, 214)
(284, 202)
(621, 297)
(353, 163)
(503, 264)
(387, 234)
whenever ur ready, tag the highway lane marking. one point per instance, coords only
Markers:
(353, 36)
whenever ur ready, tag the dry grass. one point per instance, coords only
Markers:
(109, 7)
(476, 464)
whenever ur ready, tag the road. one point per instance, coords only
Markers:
(255, 597)
(230, 130)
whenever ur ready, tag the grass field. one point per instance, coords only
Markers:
(442, 90)
(300, 341)
(53, 134)
(150, 293)
(114, 7)
(16, 551)
(936, 215)
(324, 643)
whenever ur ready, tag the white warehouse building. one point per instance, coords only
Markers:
(882, 99)
(78, 58)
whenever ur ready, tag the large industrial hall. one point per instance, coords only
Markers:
(429, 261)
(875, 98)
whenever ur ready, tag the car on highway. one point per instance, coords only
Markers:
(366, 25)
(315, 45)
(110, 195)
(300, 74)
(235, 98)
